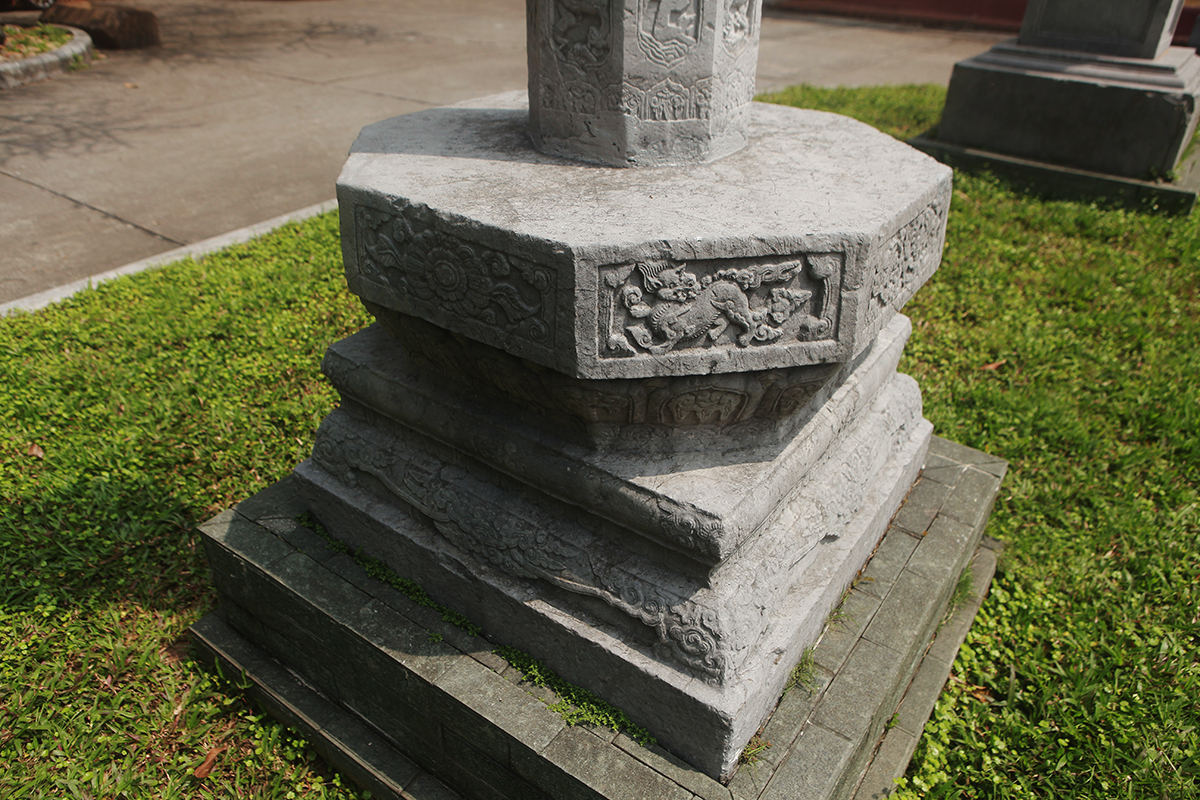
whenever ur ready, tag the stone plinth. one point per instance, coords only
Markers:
(1107, 114)
(636, 83)
(673, 585)
(794, 251)
(1091, 86)
(643, 424)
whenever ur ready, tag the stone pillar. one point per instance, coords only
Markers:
(641, 82)
(1089, 85)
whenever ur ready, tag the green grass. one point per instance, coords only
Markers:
(133, 411)
(1081, 676)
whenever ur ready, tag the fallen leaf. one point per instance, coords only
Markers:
(982, 695)
(35, 451)
(995, 364)
(131, 86)
(210, 760)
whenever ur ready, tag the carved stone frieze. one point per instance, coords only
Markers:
(659, 306)
(443, 277)
(907, 260)
(581, 31)
(519, 536)
(684, 402)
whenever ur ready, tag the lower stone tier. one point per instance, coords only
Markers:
(698, 651)
(380, 675)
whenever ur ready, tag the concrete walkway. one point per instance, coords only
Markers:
(248, 108)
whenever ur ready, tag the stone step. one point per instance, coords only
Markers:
(392, 695)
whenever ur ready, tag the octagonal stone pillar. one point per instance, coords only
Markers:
(641, 83)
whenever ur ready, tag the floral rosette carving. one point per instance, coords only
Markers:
(447, 279)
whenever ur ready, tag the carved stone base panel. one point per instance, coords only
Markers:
(650, 417)
(694, 501)
(795, 250)
(651, 631)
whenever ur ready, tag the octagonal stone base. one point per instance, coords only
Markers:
(796, 250)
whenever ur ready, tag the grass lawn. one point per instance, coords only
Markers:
(1060, 336)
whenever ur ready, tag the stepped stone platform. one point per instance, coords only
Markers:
(412, 707)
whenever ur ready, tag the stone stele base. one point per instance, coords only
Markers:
(1125, 117)
(393, 695)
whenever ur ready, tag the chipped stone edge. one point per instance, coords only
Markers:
(46, 65)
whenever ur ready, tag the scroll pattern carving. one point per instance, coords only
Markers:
(450, 280)
(907, 257)
(517, 540)
(656, 307)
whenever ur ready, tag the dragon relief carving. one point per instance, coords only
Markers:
(784, 300)
(515, 537)
(446, 278)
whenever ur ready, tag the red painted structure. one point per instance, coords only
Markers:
(997, 15)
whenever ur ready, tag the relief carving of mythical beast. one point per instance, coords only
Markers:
(691, 309)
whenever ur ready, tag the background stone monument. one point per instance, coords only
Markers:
(644, 424)
(1087, 86)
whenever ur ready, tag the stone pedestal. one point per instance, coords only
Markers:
(643, 424)
(1087, 86)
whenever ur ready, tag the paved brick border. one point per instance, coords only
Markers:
(373, 661)
(46, 65)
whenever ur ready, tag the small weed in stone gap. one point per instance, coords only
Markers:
(754, 750)
(804, 674)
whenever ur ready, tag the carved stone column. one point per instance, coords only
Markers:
(641, 82)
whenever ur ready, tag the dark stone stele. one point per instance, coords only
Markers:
(1090, 100)
(393, 696)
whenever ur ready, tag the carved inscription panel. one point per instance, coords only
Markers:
(453, 282)
(656, 307)
(668, 30)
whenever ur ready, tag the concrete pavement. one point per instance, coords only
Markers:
(248, 108)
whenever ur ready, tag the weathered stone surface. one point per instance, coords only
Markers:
(1130, 28)
(110, 25)
(647, 618)
(795, 250)
(683, 490)
(641, 82)
(1108, 114)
